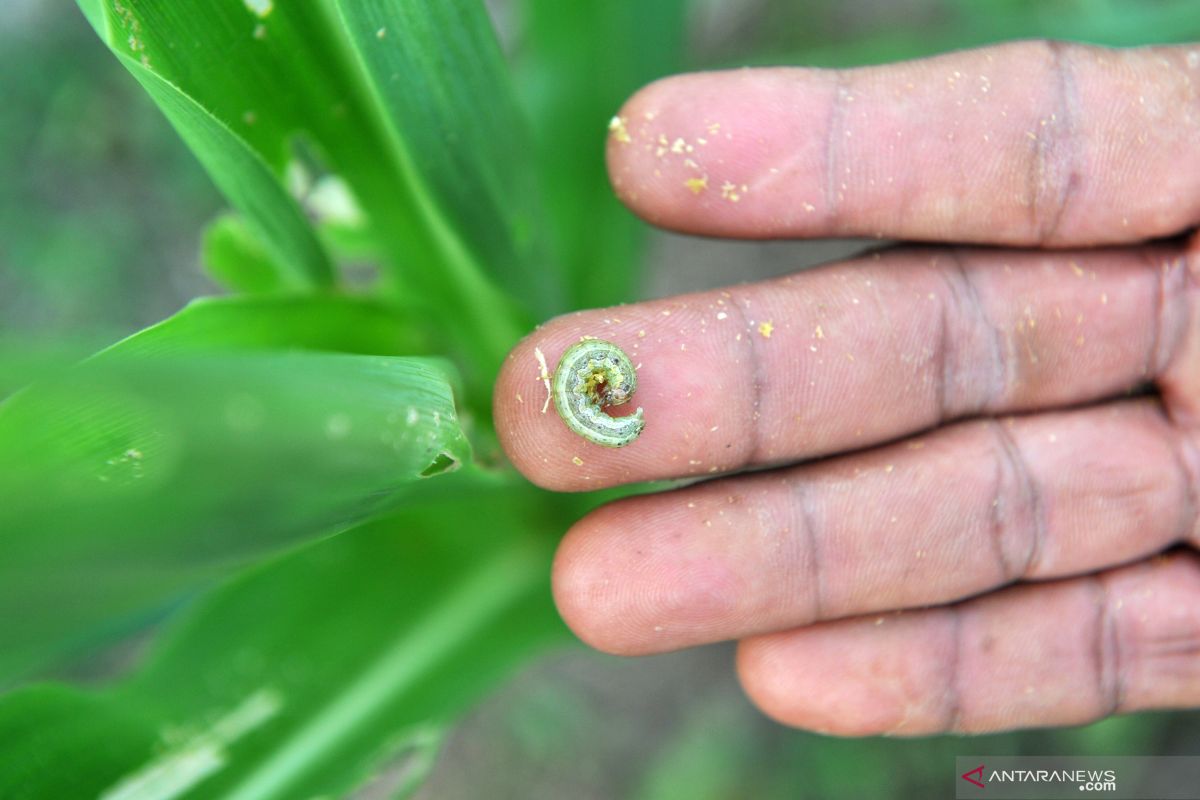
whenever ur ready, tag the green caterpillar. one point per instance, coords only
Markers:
(591, 376)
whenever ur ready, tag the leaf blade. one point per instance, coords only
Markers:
(132, 480)
(234, 259)
(582, 61)
(431, 609)
(242, 64)
(328, 322)
(246, 180)
(460, 136)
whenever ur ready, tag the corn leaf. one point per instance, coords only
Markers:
(334, 323)
(241, 174)
(437, 72)
(286, 79)
(311, 674)
(130, 480)
(236, 260)
(580, 62)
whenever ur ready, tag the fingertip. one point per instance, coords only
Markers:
(588, 599)
(634, 578)
(795, 686)
(533, 436)
(762, 676)
(858, 677)
(520, 396)
(707, 152)
(686, 431)
(651, 150)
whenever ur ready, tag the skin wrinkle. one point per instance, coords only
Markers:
(1191, 462)
(1009, 454)
(1054, 149)
(1157, 337)
(1178, 291)
(962, 286)
(1185, 647)
(1175, 641)
(803, 508)
(1176, 302)
(999, 509)
(1172, 302)
(757, 381)
(1106, 651)
(1171, 313)
(945, 344)
(1184, 451)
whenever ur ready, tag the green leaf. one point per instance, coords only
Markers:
(234, 258)
(297, 322)
(307, 676)
(284, 78)
(130, 480)
(93, 11)
(44, 727)
(579, 63)
(23, 361)
(272, 216)
(437, 71)
(266, 70)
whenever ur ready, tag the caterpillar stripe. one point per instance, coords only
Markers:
(591, 376)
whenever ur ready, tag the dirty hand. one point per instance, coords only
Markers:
(946, 505)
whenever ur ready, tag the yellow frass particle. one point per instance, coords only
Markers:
(616, 126)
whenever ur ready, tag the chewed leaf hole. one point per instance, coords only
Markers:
(443, 463)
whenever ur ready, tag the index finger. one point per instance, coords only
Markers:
(1031, 143)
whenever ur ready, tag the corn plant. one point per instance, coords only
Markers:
(296, 486)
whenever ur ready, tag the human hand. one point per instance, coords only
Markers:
(972, 537)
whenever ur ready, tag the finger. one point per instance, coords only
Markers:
(1024, 143)
(963, 511)
(1180, 378)
(1063, 653)
(852, 355)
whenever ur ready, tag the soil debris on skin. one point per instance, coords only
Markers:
(620, 133)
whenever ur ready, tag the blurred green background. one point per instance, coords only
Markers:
(101, 208)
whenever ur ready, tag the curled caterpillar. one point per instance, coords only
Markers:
(591, 376)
